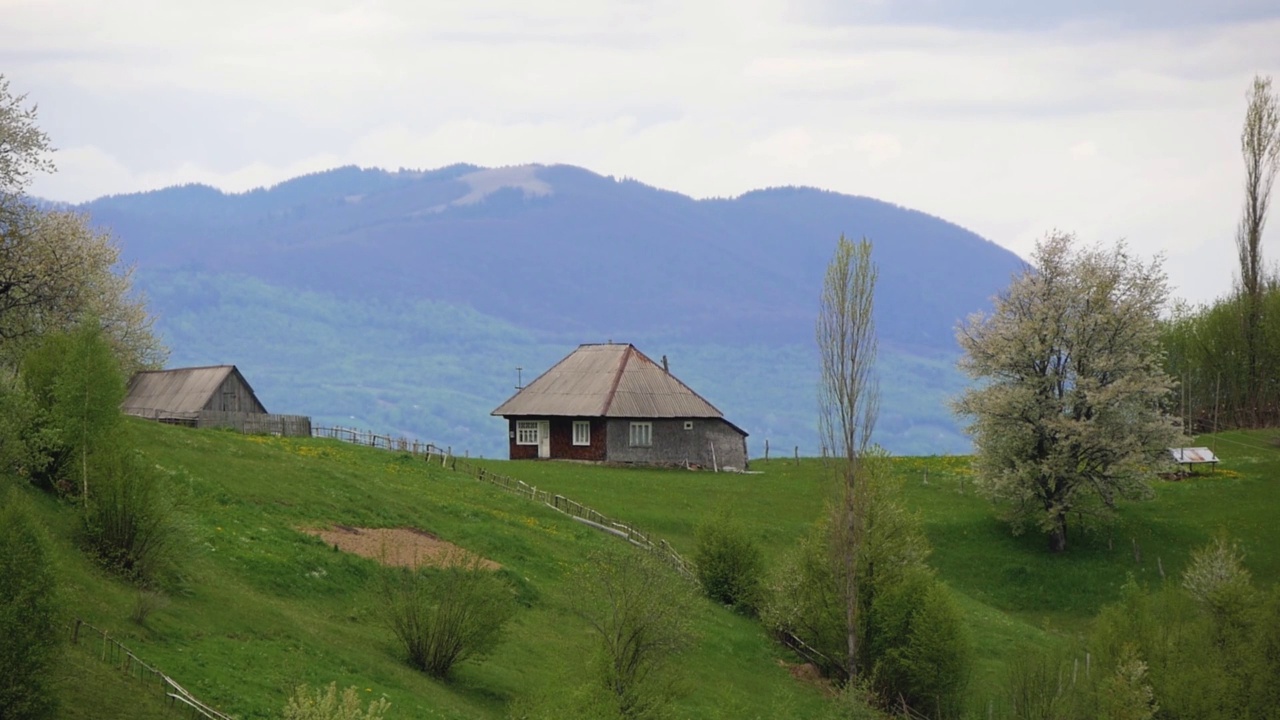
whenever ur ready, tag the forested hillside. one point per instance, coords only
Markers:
(406, 300)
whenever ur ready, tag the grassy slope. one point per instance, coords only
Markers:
(1014, 593)
(264, 607)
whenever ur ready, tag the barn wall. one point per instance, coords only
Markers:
(234, 396)
(673, 445)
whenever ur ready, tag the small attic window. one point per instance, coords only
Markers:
(688, 424)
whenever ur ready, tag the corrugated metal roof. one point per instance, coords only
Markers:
(608, 381)
(181, 390)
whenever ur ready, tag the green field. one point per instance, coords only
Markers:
(262, 607)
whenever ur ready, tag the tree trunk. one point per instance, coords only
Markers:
(1058, 536)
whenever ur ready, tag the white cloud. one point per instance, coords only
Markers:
(1109, 129)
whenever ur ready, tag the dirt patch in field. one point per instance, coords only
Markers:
(401, 547)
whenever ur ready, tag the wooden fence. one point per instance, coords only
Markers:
(256, 423)
(374, 440)
(122, 657)
(583, 514)
(248, 423)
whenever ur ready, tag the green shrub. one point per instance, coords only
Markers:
(729, 563)
(447, 615)
(639, 610)
(1044, 685)
(131, 524)
(917, 647)
(803, 600)
(324, 704)
(30, 631)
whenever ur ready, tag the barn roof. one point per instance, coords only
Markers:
(180, 390)
(611, 380)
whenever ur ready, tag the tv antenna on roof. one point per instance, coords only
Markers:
(519, 384)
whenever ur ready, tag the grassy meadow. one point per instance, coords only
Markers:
(260, 606)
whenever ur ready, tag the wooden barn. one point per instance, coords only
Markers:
(214, 396)
(611, 403)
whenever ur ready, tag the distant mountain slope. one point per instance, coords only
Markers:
(554, 256)
(563, 250)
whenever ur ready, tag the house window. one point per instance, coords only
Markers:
(688, 424)
(581, 432)
(526, 432)
(641, 434)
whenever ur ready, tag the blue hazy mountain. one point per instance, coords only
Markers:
(405, 300)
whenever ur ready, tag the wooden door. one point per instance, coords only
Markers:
(544, 438)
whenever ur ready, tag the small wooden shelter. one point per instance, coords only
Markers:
(611, 403)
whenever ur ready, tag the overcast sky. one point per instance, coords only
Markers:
(1003, 116)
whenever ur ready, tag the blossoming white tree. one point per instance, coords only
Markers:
(1067, 415)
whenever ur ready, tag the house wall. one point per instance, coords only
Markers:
(562, 447)
(519, 452)
(673, 445)
(234, 396)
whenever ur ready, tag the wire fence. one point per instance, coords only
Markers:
(123, 658)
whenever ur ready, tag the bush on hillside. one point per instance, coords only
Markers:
(29, 620)
(730, 565)
(131, 525)
(325, 704)
(1207, 654)
(917, 647)
(802, 600)
(640, 612)
(444, 616)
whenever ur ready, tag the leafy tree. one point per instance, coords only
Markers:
(28, 615)
(55, 270)
(1068, 414)
(23, 146)
(326, 704)
(1260, 146)
(444, 616)
(1225, 353)
(76, 381)
(24, 438)
(914, 645)
(849, 404)
(730, 565)
(639, 611)
(1217, 579)
(1127, 695)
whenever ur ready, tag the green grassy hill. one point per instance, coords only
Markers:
(263, 607)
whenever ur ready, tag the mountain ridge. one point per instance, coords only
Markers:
(554, 255)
